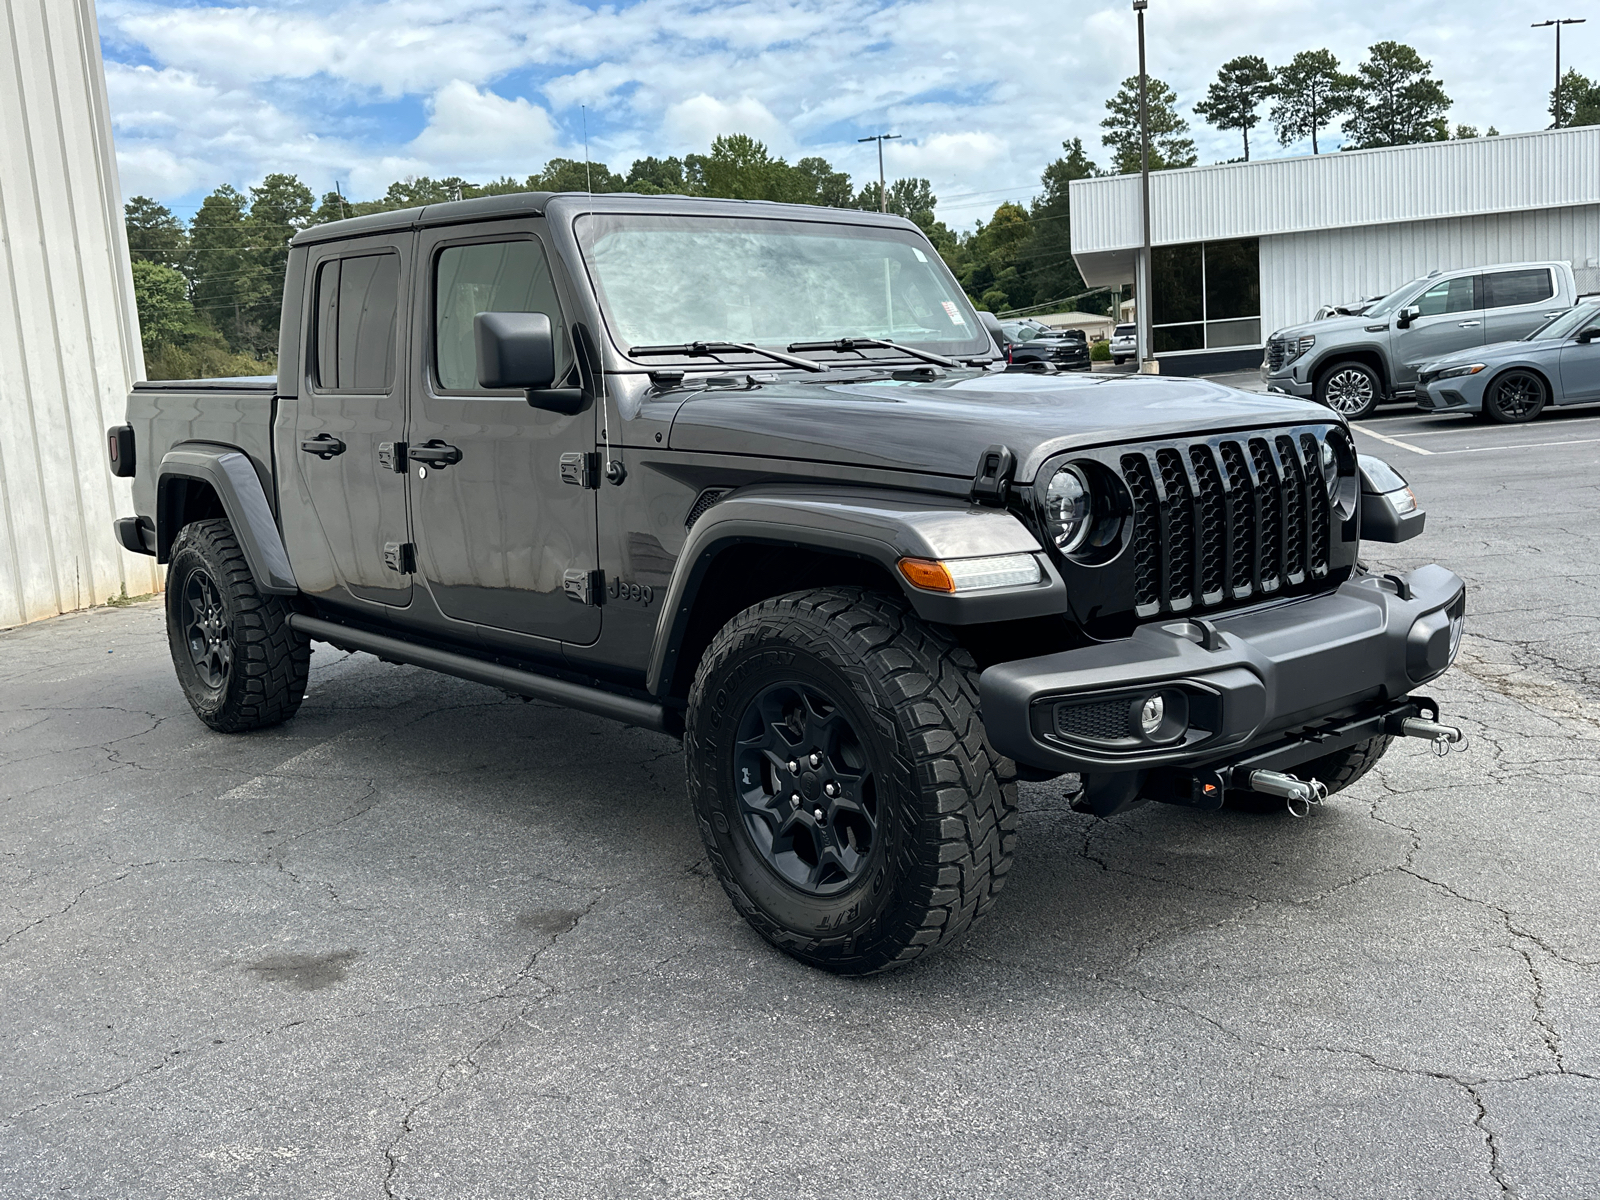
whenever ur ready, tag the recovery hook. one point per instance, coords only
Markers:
(1444, 737)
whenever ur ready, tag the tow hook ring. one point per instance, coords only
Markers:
(1298, 794)
(1445, 738)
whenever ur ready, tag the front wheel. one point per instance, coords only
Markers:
(240, 665)
(849, 801)
(1351, 389)
(1515, 398)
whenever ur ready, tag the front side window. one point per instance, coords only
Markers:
(357, 304)
(1448, 296)
(509, 276)
(1506, 289)
(670, 280)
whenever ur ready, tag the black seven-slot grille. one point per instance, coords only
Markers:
(1220, 521)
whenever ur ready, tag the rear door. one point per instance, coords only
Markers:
(505, 538)
(1517, 302)
(1451, 319)
(350, 416)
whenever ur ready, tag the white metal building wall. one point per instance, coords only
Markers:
(69, 331)
(1302, 271)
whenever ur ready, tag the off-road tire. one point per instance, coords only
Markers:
(265, 680)
(1350, 388)
(1336, 771)
(947, 802)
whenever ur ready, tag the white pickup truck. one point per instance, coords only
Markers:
(1353, 364)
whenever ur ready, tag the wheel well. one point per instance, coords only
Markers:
(747, 574)
(1367, 358)
(182, 501)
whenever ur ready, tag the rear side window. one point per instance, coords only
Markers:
(1450, 296)
(512, 276)
(1507, 288)
(358, 301)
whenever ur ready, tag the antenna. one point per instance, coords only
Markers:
(588, 178)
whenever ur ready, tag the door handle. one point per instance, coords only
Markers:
(1468, 324)
(434, 453)
(1556, 313)
(324, 446)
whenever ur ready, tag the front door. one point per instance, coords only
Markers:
(505, 538)
(349, 417)
(1451, 319)
(1580, 369)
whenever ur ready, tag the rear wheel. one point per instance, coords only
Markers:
(1515, 397)
(1351, 389)
(849, 801)
(240, 665)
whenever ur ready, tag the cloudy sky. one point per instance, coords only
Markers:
(983, 93)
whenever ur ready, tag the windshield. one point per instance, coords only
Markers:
(1393, 300)
(1567, 324)
(668, 280)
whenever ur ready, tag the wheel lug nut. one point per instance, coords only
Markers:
(817, 814)
(794, 800)
(830, 789)
(794, 767)
(816, 759)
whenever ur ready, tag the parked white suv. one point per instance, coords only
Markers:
(1124, 343)
(1352, 364)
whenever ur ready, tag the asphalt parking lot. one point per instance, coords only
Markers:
(425, 941)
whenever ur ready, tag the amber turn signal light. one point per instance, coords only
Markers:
(929, 574)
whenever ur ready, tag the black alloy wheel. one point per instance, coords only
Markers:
(806, 788)
(1351, 389)
(205, 630)
(1515, 398)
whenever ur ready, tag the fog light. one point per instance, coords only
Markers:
(1151, 715)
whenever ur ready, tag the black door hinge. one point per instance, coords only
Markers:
(584, 587)
(581, 469)
(995, 466)
(392, 457)
(400, 556)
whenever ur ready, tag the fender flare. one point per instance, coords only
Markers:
(231, 475)
(879, 526)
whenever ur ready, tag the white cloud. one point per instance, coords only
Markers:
(471, 131)
(692, 123)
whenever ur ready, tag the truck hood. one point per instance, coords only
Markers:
(1326, 327)
(944, 425)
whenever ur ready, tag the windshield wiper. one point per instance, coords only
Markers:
(700, 349)
(845, 345)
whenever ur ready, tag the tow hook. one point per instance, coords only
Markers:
(1444, 737)
(1298, 794)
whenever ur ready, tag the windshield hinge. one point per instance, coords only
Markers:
(581, 469)
(995, 466)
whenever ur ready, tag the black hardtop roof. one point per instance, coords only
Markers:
(534, 204)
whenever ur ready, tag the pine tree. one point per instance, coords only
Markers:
(1234, 97)
(1170, 145)
(1309, 92)
(1396, 101)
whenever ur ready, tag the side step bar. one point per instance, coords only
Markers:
(646, 714)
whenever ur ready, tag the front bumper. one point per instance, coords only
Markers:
(1462, 394)
(1286, 382)
(1233, 688)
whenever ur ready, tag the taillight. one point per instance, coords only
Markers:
(119, 446)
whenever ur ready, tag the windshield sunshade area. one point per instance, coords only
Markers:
(666, 280)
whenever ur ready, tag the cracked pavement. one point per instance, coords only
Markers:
(425, 941)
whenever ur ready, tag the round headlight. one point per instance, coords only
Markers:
(1068, 509)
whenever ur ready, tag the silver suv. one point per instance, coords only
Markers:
(1352, 364)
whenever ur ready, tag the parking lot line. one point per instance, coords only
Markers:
(1516, 446)
(1392, 441)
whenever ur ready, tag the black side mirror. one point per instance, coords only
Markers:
(1407, 315)
(517, 350)
(1589, 334)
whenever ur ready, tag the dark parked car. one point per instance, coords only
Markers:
(752, 474)
(1030, 342)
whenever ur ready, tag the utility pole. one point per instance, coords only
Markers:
(1555, 96)
(1147, 362)
(883, 194)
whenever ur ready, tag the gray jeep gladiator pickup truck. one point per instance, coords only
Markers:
(754, 474)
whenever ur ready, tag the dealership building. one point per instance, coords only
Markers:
(1242, 249)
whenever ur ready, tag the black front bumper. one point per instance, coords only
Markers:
(1279, 684)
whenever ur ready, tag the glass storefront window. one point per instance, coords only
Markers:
(1205, 296)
